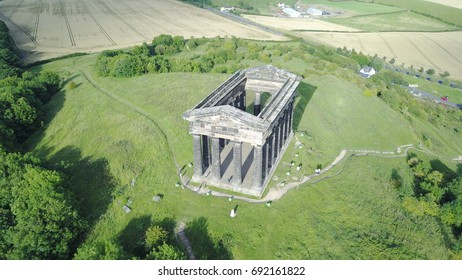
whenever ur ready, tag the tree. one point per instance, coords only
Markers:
(165, 252)
(445, 74)
(46, 225)
(155, 236)
(431, 71)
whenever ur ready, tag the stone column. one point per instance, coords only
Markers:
(287, 123)
(242, 101)
(256, 104)
(216, 161)
(205, 151)
(291, 116)
(275, 143)
(257, 166)
(281, 135)
(284, 126)
(264, 161)
(270, 153)
(198, 167)
(237, 162)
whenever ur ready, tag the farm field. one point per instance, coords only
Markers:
(451, 3)
(340, 218)
(400, 21)
(298, 23)
(351, 8)
(441, 51)
(48, 28)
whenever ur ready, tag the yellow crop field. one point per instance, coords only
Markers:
(47, 28)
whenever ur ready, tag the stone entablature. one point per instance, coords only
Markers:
(221, 119)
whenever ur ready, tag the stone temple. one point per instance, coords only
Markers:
(237, 148)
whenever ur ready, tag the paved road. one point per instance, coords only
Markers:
(425, 95)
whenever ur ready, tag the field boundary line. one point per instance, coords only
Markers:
(115, 14)
(19, 28)
(444, 49)
(423, 54)
(98, 24)
(388, 46)
(68, 25)
(37, 19)
(360, 42)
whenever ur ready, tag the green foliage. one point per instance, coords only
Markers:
(39, 221)
(199, 3)
(435, 196)
(9, 61)
(165, 252)
(430, 71)
(155, 236)
(72, 85)
(21, 101)
(445, 74)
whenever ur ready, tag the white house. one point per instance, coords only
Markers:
(282, 5)
(291, 12)
(367, 71)
(227, 9)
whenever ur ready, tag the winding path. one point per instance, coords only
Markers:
(275, 194)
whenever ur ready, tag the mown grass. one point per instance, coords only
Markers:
(105, 133)
(447, 14)
(354, 7)
(400, 21)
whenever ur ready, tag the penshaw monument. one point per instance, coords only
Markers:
(237, 147)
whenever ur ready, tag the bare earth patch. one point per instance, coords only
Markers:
(50, 28)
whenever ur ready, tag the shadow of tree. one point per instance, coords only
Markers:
(132, 237)
(438, 165)
(304, 94)
(89, 179)
(205, 246)
(51, 109)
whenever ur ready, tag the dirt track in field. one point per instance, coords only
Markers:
(48, 28)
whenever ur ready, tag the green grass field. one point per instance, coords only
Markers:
(354, 7)
(455, 95)
(442, 12)
(108, 131)
(400, 21)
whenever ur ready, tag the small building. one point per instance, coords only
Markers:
(282, 5)
(367, 71)
(227, 9)
(291, 12)
(314, 12)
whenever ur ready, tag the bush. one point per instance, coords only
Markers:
(72, 85)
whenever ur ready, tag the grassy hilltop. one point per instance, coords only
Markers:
(107, 131)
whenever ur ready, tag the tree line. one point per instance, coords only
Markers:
(435, 192)
(159, 57)
(37, 215)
